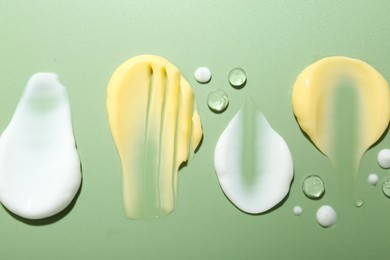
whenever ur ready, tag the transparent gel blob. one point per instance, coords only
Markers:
(359, 203)
(386, 186)
(237, 77)
(313, 187)
(217, 100)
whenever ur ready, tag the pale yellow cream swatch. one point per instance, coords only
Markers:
(314, 90)
(155, 125)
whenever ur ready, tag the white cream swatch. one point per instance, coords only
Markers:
(253, 162)
(39, 165)
(326, 216)
(384, 158)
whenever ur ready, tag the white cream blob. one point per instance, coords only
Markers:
(297, 210)
(384, 158)
(373, 179)
(326, 216)
(252, 161)
(202, 74)
(39, 164)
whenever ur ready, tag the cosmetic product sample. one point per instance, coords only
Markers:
(343, 105)
(253, 162)
(39, 165)
(155, 125)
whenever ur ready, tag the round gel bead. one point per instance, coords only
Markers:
(237, 77)
(313, 187)
(326, 216)
(384, 158)
(217, 100)
(202, 74)
(386, 186)
(359, 203)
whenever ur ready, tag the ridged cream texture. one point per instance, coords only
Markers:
(39, 165)
(155, 125)
(313, 92)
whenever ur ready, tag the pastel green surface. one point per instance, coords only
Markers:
(85, 41)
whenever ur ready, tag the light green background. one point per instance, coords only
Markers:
(85, 41)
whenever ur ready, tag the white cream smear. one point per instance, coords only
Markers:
(373, 179)
(253, 162)
(39, 165)
(326, 216)
(384, 158)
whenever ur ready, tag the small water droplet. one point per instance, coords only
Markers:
(237, 77)
(313, 187)
(217, 100)
(386, 186)
(359, 203)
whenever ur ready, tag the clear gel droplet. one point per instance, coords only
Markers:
(237, 77)
(386, 186)
(217, 100)
(359, 203)
(313, 187)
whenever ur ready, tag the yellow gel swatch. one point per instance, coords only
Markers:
(314, 93)
(155, 124)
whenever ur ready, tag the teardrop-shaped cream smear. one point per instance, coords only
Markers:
(343, 105)
(253, 162)
(153, 119)
(39, 164)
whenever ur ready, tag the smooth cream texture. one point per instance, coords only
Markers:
(39, 165)
(154, 123)
(384, 158)
(253, 163)
(313, 92)
(326, 216)
(202, 74)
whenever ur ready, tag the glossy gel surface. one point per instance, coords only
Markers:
(237, 77)
(154, 123)
(313, 187)
(39, 165)
(386, 186)
(217, 100)
(253, 162)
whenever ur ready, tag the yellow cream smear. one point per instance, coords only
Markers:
(155, 124)
(314, 99)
